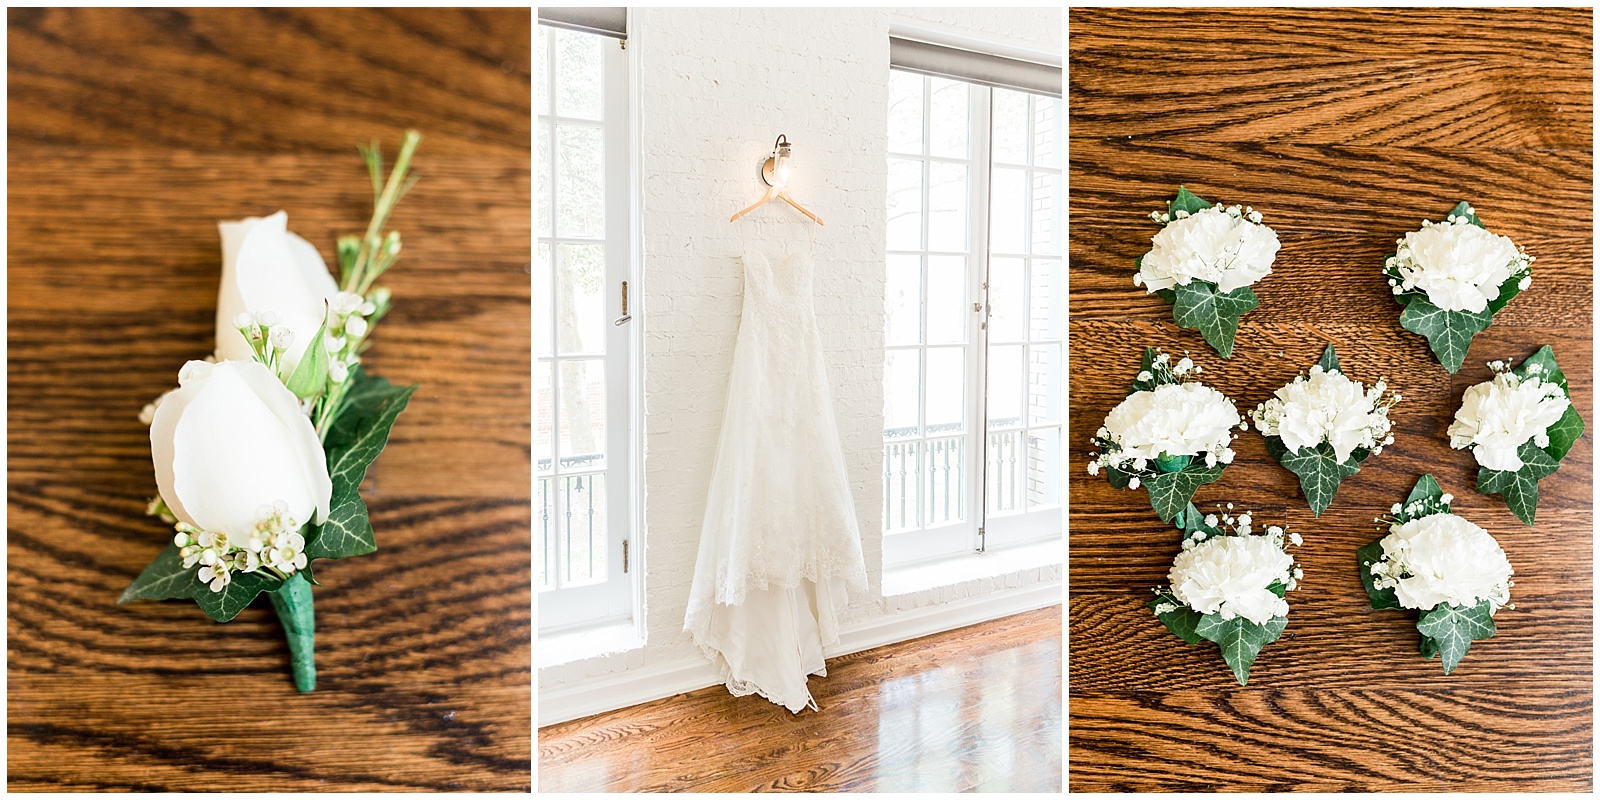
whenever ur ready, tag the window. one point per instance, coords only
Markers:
(972, 368)
(584, 389)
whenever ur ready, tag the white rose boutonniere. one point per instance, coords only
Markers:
(1323, 425)
(259, 455)
(1451, 278)
(1228, 586)
(1171, 435)
(1519, 425)
(1433, 561)
(1204, 261)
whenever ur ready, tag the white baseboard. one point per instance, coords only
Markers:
(632, 687)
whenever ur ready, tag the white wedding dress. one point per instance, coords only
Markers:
(779, 546)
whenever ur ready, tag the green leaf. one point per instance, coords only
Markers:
(1329, 361)
(1508, 291)
(1426, 488)
(1464, 209)
(1278, 588)
(243, 588)
(1240, 639)
(1147, 364)
(1365, 558)
(310, 376)
(165, 579)
(1449, 333)
(1187, 202)
(1549, 370)
(1428, 647)
(1189, 519)
(1181, 621)
(1117, 478)
(1319, 470)
(1166, 463)
(1520, 488)
(1567, 430)
(1215, 314)
(1453, 629)
(1167, 295)
(356, 437)
(1171, 492)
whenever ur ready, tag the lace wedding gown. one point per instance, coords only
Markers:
(779, 545)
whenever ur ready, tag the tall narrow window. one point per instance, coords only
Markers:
(583, 359)
(972, 368)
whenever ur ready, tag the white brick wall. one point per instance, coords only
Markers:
(717, 86)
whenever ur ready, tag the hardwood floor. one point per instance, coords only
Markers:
(976, 708)
(1344, 129)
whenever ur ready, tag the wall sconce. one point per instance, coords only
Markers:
(778, 166)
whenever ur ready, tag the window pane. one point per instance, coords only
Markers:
(901, 389)
(903, 300)
(1005, 300)
(1044, 467)
(1004, 401)
(582, 435)
(547, 411)
(1002, 471)
(905, 205)
(1010, 126)
(905, 113)
(583, 528)
(947, 122)
(547, 533)
(543, 302)
(1044, 383)
(946, 475)
(578, 75)
(1047, 214)
(901, 474)
(1047, 132)
(1044, 300)
(947, 299)
(947, 207)
(544, 77)
(580, 199)
(947, 390)
(1008, 195)
(544, 179)
(580, 302)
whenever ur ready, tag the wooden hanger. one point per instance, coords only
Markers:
(780, 149)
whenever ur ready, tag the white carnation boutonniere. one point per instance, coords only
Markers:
(1323, 425)
(1442, 565)
(1518, 425)
(1204, 261)
(1228, 585)
(1451, 278)
(1171, 435)
(260, 452)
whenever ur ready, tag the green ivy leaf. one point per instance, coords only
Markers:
(1181, 621)
(1426, 488)
(1146, 364)
(1365, 558)
(1329, 361)
(1449, 333)
(1464, 209)
(1214, 314)
(1318, 468)
(1240, 639)
(1190, 519)
(1428, 647)
(310, 376)
(243, 588)
(165, 579)
(1186, 201)
(1520, 488)
(1170, 492)
(354, 441)
(1508, 291)
(1117, 478)
(1453, 629)
(1567, 430)
(1549, 370)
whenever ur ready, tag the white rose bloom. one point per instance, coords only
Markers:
(1498, 416)
(1209, 245)
(1325, 407)
(1230, 575)
(1175, 420)
(1460, 266)
(230, 440)
(267, 268)
(1443, 558)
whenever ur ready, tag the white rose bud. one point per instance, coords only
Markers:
(267, 269)
(231, 438)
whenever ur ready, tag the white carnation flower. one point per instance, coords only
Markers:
(1217, 245)
(1173, 420)
(1230, 575)
(1459, 265)
(1443, 558)
(1497, 416)
(1325, 407)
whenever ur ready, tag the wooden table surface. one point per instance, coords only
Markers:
(1345, 129)
(133, 132)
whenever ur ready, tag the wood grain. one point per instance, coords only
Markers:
(973, 709)
(130, 134)
(1345, 129)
